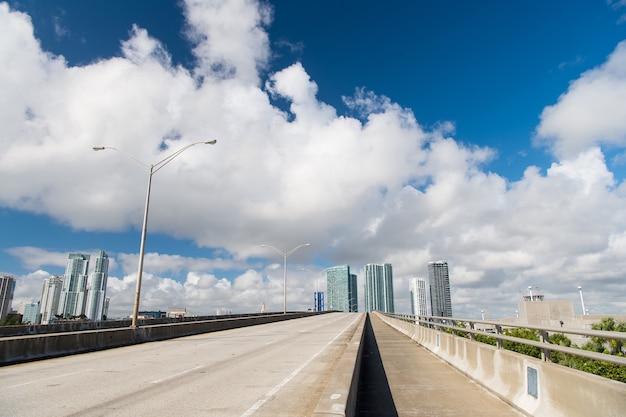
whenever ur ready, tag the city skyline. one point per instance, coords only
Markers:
(77, 293)
(420, 290)
(400, 134)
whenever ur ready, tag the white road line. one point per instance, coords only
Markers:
(250, 411)
(158, 381)
(52, 377)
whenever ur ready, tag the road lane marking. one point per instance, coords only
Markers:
(51, 377)
(158, 381)
(255, 407)
(177, 374)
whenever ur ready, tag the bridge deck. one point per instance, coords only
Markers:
(421, 384)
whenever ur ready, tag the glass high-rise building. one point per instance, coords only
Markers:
(97, 288)
(419, 301)
(7, 289)
(379, 288)
(354, 299)
(50, 297)
(341, 289)
(29, 311)
(74, 293)
(439, 281)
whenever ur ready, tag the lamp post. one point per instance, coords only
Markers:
(151, 169)
(285, 255)
(580, 290)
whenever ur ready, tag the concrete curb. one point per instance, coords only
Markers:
(339, 397)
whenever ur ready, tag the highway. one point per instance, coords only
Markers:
(277, 369)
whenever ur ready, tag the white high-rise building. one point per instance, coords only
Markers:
(7, 288)
(419, 300)
(74, 293)
(50, 297)
(97, 288)
(439, 281)
(379, 288)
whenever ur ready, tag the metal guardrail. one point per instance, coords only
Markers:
(479, 327)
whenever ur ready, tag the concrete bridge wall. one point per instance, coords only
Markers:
(16, 349)
(536, 387)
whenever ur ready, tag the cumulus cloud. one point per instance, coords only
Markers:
(230, 40)
(371, 186)
(591, 112)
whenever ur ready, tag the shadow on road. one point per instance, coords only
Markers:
(374, 396)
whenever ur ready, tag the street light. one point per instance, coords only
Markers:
(152, 169)
(285, 255)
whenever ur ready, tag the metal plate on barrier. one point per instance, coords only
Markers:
(533, 386)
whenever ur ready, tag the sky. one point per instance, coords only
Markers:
(488, 134)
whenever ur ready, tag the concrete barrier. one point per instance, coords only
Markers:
(19, 349)
(80, 325)
(536, 387)
(339, 397)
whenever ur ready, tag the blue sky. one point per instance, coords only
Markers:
(488, 134)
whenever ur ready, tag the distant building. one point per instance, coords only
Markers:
(419, 299)
(7, 289)
(29, 312)
(74, 293)
(97, 288)
(106, 307)
(152, 314)
(439, 281)
(318, 301)
(178, 312)
(354, 296)
(50, 297)
(379, 288)
(341, 289)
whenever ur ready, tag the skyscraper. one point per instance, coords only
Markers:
(440, 300)
(419, 303)
(354, 299)
(97, 288)
(341, 289)
(73, 295)
(29, 311)
(50, 297)
(379, 288)
(7, 288)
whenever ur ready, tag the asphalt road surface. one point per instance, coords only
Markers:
(277, 369)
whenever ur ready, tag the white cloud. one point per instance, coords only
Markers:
(377, 188)
(32, 257)
(141, 48)
(229, 37)
(591, 112)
